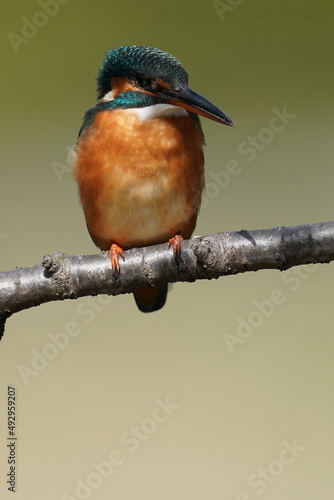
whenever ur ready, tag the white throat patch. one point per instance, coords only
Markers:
(158, 111)
(150, 112)
(109, 96)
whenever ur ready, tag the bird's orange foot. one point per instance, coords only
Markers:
(115, 253)
(176, 243)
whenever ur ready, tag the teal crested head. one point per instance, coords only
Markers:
(145, 66)
(151, 76)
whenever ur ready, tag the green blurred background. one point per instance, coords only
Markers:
(238, 405)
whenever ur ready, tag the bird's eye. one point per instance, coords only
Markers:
(144, 82)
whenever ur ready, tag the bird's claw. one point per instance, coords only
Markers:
(115, 253)
(176, 243)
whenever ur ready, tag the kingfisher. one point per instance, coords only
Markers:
(139, 159)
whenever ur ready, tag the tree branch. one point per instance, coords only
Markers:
(62, 276)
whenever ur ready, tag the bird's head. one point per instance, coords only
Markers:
(129, 72)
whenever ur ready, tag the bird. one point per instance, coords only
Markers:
(139, 160)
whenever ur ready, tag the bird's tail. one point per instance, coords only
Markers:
(151, 299)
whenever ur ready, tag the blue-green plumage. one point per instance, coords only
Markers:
(137, 62)
(133, 99)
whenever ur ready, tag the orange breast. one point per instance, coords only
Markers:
(140, 182)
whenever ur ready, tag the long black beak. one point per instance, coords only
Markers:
(187, 98)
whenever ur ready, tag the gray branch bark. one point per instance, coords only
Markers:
(60, 276)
